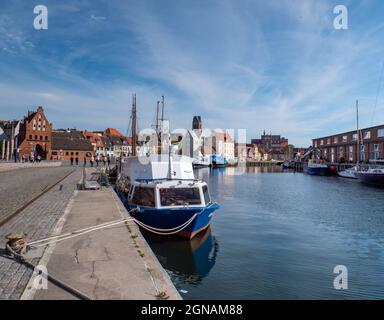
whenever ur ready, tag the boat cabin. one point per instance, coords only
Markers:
(166, 194)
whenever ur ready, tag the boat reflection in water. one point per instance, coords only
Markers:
(187, 261)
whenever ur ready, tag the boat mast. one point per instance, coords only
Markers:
(161, 125)
(357, 133)
(134, 125)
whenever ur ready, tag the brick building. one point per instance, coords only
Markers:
(343, 147)
(35, 134)
(272, 144)
(67, 144)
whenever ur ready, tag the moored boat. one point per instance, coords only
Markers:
(201, 161)
(372, 176)
(165, 196)
(319, 169)
(348, 173)
(218, 160)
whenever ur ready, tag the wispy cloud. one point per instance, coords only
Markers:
(278, 66)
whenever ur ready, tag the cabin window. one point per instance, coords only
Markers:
(180, 196)
(207, 198)
(144, 197)
(367, 135)
(345, 138)
(380, 133)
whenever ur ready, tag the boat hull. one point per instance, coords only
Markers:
(320, 170)
(347, 174)
(218, 161)
(373, 179)
(175, 217)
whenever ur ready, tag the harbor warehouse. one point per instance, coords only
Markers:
(344, 147)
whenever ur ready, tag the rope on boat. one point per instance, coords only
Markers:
(165, 233)
(54, 239)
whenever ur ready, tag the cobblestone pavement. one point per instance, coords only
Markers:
(7, 166)
(37, 221)
(17, 187)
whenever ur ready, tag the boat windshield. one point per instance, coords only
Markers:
(207, 198)
(179, 196)
(144, 197)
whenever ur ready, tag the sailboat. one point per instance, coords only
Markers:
(162, 194)
(350, 173)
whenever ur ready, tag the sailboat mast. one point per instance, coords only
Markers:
(134, 125)
(162, 110)
(357, 133)
(157, 117)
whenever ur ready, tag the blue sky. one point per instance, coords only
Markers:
(275, 65)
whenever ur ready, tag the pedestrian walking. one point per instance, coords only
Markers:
(108, 160)
(97, 160)
(91, 161)
(104, 161)
(85, 161)
(71, 161)
(77, 161)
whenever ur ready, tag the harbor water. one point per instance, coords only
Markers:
(279, 235)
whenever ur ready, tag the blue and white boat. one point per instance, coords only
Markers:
(165, 195)
(218, 160)
(319, 169)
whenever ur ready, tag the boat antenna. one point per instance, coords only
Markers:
(134, 124)
(170, 162)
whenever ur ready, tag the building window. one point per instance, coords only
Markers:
(329, 141)
(354, 137)
(336, 140)
(35, 137)
(46, 137)
(77, 153)
(71, 153)
(380, 133)
(30, 136)
(345, 138)
(321, 142)
(41, 137)
(367, 135)
(67, 153)
(376, 151)
(350, 156)
(362, 152)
